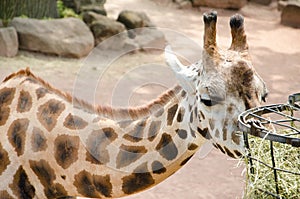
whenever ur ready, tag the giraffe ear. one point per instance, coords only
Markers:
(183, 75)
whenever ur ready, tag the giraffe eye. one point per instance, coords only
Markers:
(210, 100)
(206, 102)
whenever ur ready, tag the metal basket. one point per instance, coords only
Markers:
(273, 126)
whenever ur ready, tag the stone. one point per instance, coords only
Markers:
(99, 9)
(290, 15)
(281, 5)
(89, 17)
(8, 42)
(89, 2)
(262, 2)
(102, 27)
(68, 37)
(133, 19)
(229, 4)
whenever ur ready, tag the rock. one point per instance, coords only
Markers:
(133, 19)
(281, 5)
(262, 2)
(89, 17)
(290, 15)
(111, 34)
(102, 27)
(64, 37)
(89, 2)
(8, 42)
(230, 4)
(99, 9)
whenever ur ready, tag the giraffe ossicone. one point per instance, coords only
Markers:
(53, 145)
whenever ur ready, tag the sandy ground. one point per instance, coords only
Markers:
(275, 51)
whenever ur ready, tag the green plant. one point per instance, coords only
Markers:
(7, 11)
(37, 8)
(64, 12)
(30, 8)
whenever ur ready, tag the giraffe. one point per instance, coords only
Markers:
(56, 146)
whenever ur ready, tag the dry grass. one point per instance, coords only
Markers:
(286, 158)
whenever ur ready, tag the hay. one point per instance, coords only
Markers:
(262, 179)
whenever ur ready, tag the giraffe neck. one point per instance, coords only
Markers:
(66, 150)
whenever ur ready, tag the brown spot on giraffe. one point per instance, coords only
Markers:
(181, 133)
(4, 159)
(94, 186)
(66, 150)
(154, 130)
(180, 114)
(74, 122)
(183, 93)
(47, 176)
(49, 112)
(171, 114)
(21, 186)
(6, 97)
(193, 133)
(217, 133)
(186, 160)
(5, 195)
(202, 116)
(129, 154)
(195, 110)
(24, 102)
(139, 180)
(166, 147)
(191, 117)
(224, 134)
(228, 152)
(41, 92)
(97, 143)
(204, 132)
(38, 140)
(158, 167)
(56, 191)
(238, 153)
(17, 134)
(230, 108)
(192, 147)
(136, 134)
(236, 138)
(124, 123)
(219, 147)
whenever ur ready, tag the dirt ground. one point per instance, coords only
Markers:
(275, 51)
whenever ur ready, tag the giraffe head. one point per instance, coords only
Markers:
(222, 85)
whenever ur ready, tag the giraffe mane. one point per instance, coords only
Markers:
(106, 111)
